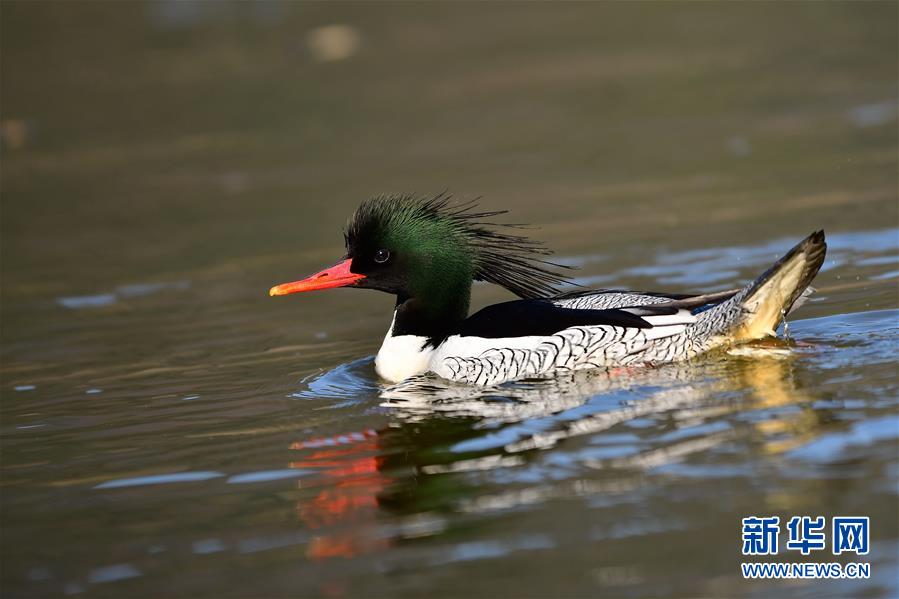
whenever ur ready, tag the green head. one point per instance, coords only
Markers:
(431, 250)
(427, 252)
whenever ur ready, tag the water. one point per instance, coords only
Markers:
(169, 430)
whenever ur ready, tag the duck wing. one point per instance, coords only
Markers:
(530, 338)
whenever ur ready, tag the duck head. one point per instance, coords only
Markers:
(427, 252)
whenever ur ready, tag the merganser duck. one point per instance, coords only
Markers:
(428, 251)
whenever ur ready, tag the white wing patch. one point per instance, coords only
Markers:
(683, 317)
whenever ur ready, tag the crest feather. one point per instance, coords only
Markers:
(510, 261)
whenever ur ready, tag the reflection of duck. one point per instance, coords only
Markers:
(428, 252)
(439, 431)
(362, 474)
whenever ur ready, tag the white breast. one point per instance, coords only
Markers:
(402, 356)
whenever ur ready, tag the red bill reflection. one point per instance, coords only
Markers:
(343, 515)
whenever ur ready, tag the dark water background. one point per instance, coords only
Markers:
(169, 430)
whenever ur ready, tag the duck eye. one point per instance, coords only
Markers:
(382, 256)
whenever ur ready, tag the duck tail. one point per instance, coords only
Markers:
(780, 290)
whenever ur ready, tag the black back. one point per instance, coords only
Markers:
(524, 318)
